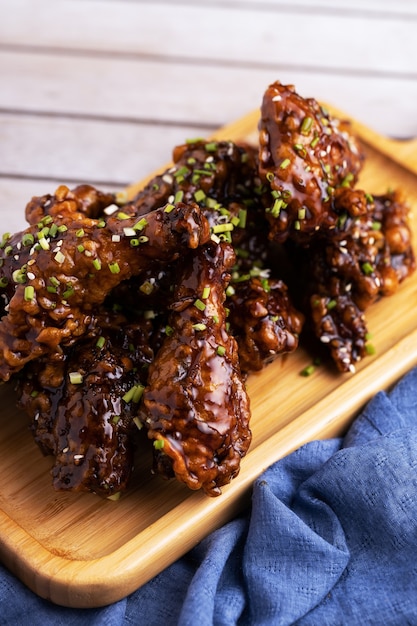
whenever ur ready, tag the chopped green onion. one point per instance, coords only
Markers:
(19, 276)
(220, 350)
(28, 239)
(211, 146)
(29, 293)
(199, 326)
(199, 304)
(75, 378)
(206, 293)
(100, 342)
(59, 257)
(68, 292)
(367, 268)
(222, 228)
(242, 217)
(306, 125)
(199, 195)
(146, 287)
(308, 371)
(169, 208)
(183, 171)
(370, 349)
(44, 243)
(158, 444)
(97, 264)
(276, 209)
(114, 267)
(141, 224)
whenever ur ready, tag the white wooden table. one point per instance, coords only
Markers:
(100, 91)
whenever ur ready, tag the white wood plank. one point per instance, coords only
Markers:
(381, 7)
(80, 150)
(200, 32)
(138, 90)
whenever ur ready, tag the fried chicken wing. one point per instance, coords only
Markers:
(305, 157)
(195, 405)
(347, 275)
(82, 407)
(55, 273)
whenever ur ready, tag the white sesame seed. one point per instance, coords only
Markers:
(109, 210)
(167, 178)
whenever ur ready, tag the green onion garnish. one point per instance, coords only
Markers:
(75, 378)
(199, 304)
(29, 293)
(306, 125)
(114, 267)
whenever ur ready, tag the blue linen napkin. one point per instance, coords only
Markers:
(330, 539)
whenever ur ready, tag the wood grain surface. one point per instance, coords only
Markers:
(80, 551)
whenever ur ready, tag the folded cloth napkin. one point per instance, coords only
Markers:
(330, 539)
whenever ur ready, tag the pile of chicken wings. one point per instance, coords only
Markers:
(148, 315)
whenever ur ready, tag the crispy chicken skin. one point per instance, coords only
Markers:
(55, 273)
(263, 320)
(305, 157)
(83, 406)
(348, 274)
(195, 405)
(221, 176)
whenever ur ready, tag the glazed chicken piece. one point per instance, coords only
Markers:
(305, 158)
(55, 273)
(83, 201)
(263, 320)
(195, 406)
(220, 176)
(83, 407)
(347, 275)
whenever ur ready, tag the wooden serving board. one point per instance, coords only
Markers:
(80, 551)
